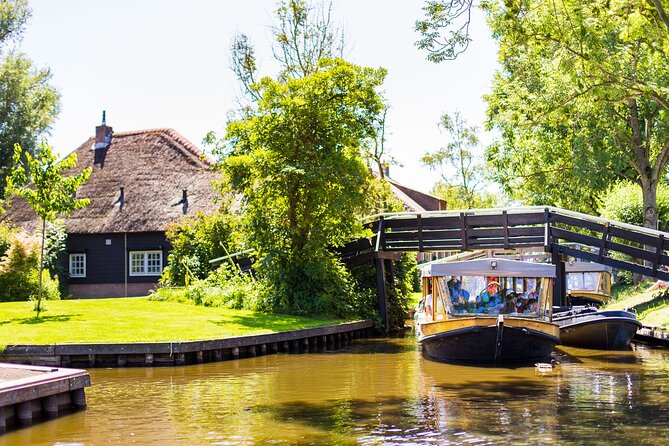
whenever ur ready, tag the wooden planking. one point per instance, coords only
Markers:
(638, 253)
(620, 264)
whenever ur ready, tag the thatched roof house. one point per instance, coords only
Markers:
(141, 181)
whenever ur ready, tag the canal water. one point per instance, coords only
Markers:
(374, 392)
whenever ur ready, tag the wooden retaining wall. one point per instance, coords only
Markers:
(44, 393)
(149, 354)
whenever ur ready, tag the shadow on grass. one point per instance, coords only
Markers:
(273, 322)
(39, 320)
(658, 301)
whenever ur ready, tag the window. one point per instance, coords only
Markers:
(78, 265)
(146, 263)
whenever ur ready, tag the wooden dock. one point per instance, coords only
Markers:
(31, 393)
(149, 354)
(653, 335)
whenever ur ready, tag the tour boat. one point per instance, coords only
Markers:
(487, 310)
(588, 283)
(588, 327)
(581, 323)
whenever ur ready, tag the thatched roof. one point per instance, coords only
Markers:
(153, 167)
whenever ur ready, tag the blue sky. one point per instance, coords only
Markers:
(166, 64)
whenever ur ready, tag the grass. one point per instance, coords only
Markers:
(414, 298)
(136, 320)
(652, 307)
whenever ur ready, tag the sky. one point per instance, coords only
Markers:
(166, 63)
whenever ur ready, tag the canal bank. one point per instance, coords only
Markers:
(178, 353)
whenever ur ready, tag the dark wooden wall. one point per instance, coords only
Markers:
(107, 263)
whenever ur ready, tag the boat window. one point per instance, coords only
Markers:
(494, 295)
(583, 281)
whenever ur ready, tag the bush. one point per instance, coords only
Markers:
(19, 272)
(224, 287)
(624, 202)
(195, 241)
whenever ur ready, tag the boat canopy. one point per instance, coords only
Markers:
(586, 267)
(489, 267)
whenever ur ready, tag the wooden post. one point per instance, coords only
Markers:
(121, 360)
(50, 406)
(180, 359)
(148, 359)
(381, 292)
(24, 413)
(200, 357)
(560, 283)
(78, 398)
(235, 352)
(3, 423)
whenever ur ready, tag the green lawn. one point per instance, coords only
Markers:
(652, 307)
(135, 320)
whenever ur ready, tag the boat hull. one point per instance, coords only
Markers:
(485, 341)
(601, 330)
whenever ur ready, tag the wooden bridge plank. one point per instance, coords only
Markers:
(620, 264)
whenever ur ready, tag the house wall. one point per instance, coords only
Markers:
(107, 262)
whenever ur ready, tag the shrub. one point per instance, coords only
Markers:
(195, 241)
(19, 272)
(224, 287)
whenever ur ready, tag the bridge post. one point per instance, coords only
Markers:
(560, 283)
(379, 263)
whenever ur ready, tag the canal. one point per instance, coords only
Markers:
(375, 392)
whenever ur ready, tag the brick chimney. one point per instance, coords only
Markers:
(103, 133)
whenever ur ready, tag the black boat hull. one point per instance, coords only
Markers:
(479, 344)
(601, 330)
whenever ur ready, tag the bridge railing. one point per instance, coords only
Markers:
(620, 245)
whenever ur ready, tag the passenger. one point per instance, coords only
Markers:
(532, 306)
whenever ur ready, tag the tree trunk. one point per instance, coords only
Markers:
(649, 192)
(41, 267)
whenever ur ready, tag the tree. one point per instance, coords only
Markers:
(41, 182)
(455, 162)
(297, 164)
(28, 103)
(449, 17)
(303, 35)
(593, 76)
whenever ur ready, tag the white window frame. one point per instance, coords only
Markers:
(145, 263)
(72, 258)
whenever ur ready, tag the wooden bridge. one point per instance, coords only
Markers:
(556, 231)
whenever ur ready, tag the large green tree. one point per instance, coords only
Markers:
(296, 161)
(581, 98)
(43, 182)
(28, 103)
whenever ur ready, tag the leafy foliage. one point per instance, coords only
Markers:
(19, 270)
(195, 241)
(449, 17)
(297, 164)
(623, 202)
(455, 162)
(43, 184)
(29, 104)
(580, 100)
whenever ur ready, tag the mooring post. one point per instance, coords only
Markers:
(381, 292)
(560, 283)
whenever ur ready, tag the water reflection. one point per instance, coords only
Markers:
(376, 392)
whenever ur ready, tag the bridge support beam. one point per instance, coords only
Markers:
(385, 280)
(560, 283)
(380, 265)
